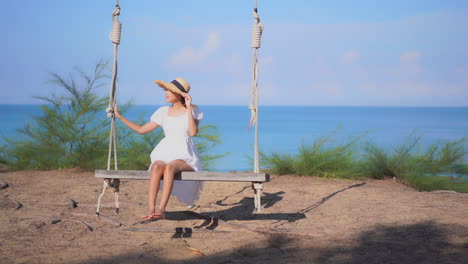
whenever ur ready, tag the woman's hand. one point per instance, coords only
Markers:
(148, 127)
(116, 113)
(188, 99)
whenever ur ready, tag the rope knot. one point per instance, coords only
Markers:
(116, 11)
(116, 27)
(257, 30)
(110, 111)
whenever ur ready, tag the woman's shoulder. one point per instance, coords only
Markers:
(164, 108)
(159, 115)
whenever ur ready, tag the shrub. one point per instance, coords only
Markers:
(323, 158)
(429, 170)
(442, 166)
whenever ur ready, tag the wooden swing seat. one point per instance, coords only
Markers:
(257, 180)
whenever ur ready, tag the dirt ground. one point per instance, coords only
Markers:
(304, 220)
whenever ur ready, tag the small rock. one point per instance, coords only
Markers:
(38, 224)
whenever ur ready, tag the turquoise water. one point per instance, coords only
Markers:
(284, 128)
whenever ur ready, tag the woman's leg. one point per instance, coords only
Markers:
(157, 171)
(171, 168)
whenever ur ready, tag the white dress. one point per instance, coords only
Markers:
(178, 145)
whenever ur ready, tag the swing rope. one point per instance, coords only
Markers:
(257, 30)
(114, 183)
(115, 38)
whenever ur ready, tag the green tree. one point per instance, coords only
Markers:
(69, 132)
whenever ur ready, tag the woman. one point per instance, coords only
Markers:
(176, 152)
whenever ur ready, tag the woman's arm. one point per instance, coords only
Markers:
(193, 123)
(148, 127)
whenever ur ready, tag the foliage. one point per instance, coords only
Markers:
(324, 158)
(68, 133)
(421, 170)
(436, 168)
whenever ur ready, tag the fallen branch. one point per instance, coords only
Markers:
(72, 203)
(87, 225)
(193, 250)
(3, 185)
(18, 204)
(84, 223)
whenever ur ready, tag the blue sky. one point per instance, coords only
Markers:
(363, 53)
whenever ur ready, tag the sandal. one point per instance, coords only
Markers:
(147, 217)
(154, 216)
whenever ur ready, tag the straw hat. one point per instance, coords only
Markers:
(178, 85)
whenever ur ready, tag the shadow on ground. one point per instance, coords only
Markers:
(426, 242)
(243, 209)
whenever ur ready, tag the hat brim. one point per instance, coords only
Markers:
(169, 86)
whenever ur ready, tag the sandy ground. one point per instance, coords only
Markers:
(304, 220)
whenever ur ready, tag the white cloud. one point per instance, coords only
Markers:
(410, 61)
(190, 57)
(402, 62)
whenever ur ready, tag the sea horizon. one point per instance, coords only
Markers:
(278, 105)
(284, 128)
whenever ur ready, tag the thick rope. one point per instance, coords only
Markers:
(104, 188)
(115, 183)
(115, 38)
(257, 30)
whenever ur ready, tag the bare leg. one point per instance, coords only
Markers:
(157, 170)
(172, 168)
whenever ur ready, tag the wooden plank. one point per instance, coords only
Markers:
(122, 174)
(186, 176)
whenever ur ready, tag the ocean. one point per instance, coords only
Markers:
(284, 128)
